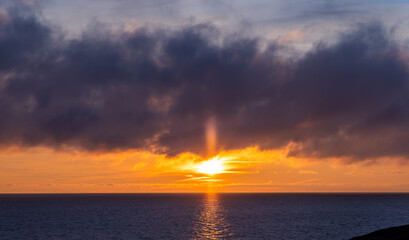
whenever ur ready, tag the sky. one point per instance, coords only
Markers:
(199, 96)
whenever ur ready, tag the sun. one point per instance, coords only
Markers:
(212, 166)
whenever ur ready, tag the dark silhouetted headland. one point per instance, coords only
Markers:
(393, 233)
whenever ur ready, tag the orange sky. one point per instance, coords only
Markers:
(41, 170)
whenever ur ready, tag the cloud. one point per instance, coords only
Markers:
(292, 36)
(155, 89)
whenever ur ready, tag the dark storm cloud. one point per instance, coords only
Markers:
(156, 89)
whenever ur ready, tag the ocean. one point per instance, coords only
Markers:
(199, 216)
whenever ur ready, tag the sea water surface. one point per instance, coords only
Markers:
(199, 216)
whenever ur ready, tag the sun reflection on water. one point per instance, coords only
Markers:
(211, 221)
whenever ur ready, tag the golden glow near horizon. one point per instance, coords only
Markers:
(39, 169)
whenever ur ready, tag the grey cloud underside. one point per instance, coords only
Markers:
(157, 89)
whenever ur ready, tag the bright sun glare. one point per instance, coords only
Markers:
(212, 166)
